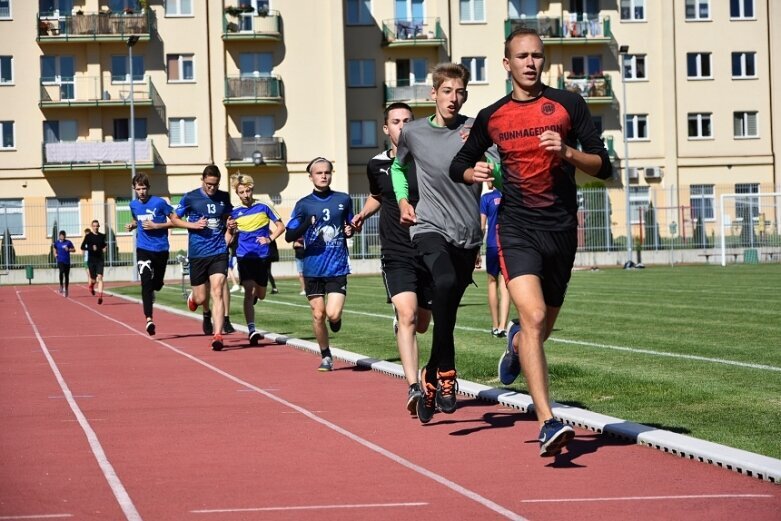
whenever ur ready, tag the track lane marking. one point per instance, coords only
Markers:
(650, 498)
(309, 507)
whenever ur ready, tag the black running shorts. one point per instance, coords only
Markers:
(254, 269)
(202, 268)
(320, 286)
(402, 274)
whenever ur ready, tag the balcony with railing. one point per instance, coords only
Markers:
(594, 89)
(416, 95)
(241, 151)
(96, 91)
(416, 32)
(253, 90)
(103, 26)
(238, 24)
(572, 30)
(98, 155)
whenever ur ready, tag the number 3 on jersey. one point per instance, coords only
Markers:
(326, 214)
(211, 208)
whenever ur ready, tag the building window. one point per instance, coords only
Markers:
(7, 135)
(12, 216)
(182, 132)
(178, 7)
(411, 72)
(255, 127)
(472, 11)
(476, 67)
(700, 126)
(64, 130)
(120, 68)
(410, 9)
(698, 9)
(636, 127)
(181, 67)
(743, 65)
(633, 10)
(638, 202)
(586, 66)
(517, 9)
(360, 73)
(363, 133)
(64, 214)
(6, 69)
(745, 125)
(256, 64)
(634, 67)
(701, 200)
(60, 70)
(5, 9)
(122, 129)
(359, 12)
(698, 65)
(741, 9)
(747, 206)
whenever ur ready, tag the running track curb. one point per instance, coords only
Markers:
(737, 460)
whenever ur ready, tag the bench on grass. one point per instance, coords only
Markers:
(718, 254)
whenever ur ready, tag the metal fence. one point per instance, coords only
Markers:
(690, 219)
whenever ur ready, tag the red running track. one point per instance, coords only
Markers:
(100, 421)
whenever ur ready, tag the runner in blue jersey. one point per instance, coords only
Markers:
(203, 212)
(62, 250)
(498, 296)
(323, 220)
(150, 217)
(252, 223)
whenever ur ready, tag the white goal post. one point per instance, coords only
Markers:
(762, 210)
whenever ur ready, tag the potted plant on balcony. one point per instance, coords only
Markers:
(263, 11)
(44, 28)
(233, 10)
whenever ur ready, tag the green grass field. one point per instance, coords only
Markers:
(695, 350)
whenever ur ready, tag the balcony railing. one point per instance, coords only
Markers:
(94, 26)
(240, 150)
(251, 26)
(95, 91)
(564, 30)
(415, 95)
(418, 31)
(593, 90)
(86, 155)
(253, 90)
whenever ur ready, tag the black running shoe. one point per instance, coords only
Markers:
(100, 299)
(254, 338)
(227, 327)
(335, 326)
(447, 386)
(150, 327)
(427, 401)
(217, 344)
(413, 395)
(274, 291)
(208, 328)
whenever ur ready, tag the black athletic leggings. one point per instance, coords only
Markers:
(451, 271)
(65, 274)
(151, 270)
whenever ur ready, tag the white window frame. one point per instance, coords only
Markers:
(471, 63)
(3, 129)
(362, 81)
(744, 65)
(76, 229)
(368, 131)
(633, 5)
(183, 122)
(10, 69)
(138, 78)
(700, 118)
(698, 66)
(362, 18)
(704, 193)
(633, 121)
(742, 8)
(181, 58)
(632, 59)
(697, 5)
(177, 13)
(5, 210)
(10, 14)
(408, 15)
(515, 9)
(746, 190)
(745, 116)
(472, 15)
(639, 197)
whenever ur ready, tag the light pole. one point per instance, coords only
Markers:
(622, 52)
(131, 41)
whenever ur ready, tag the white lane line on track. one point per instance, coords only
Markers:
(41, 516)
(681, 356)
(309, 507)
(455, 487)
(121, 495)
(650, 498)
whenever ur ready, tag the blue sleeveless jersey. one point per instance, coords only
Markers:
(157, 210)
(209, 241)
(253, 222)
(325, 246)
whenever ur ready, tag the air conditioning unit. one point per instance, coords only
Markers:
(653, 172)
(634, 173)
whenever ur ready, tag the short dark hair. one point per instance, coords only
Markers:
(62, 232)
(211, 171)
(449, 71)
(141, 179)
(394, 106)
(521, 31)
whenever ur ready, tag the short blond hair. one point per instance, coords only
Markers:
(449, 71)
(241, 179)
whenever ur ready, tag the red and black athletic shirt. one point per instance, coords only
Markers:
(539, 189)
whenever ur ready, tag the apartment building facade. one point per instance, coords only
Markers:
(681, 90)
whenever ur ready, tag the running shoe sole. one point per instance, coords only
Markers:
(335, 326)
(150, 328)
(556, 443)
(326, 364)
(217, 344)
(254, 338)
(412, 401)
